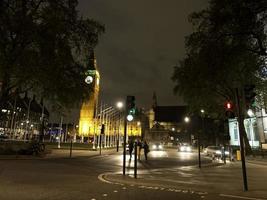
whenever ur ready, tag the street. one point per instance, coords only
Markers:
(167, 174)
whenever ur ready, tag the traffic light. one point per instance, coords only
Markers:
(250, 95)
(229, 109)
(130, 106)
(228, 106)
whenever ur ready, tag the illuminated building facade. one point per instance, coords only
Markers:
(88, 121)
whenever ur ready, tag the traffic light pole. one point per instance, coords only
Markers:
(241, 140)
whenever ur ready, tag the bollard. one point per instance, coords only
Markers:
(238, 155)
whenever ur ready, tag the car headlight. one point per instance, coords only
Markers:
(160, 147)
(226, 152)
(188, 149)
(154, 146)
(182, 148)
(218, 152)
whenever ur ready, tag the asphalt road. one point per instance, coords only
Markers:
(83, 177)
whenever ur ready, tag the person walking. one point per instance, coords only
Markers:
(139, 144)
(146, 149)
(131, 146)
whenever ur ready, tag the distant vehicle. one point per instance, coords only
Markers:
(184, 147)
(215, 151)
(157, 146)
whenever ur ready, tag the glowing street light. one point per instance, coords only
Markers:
(119, 105)
(186, 119)
(250, 113)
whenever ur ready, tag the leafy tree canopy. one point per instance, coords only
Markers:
(44, 48)
(226, 50)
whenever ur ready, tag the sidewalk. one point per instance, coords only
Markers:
(257, 160)
(61, 153)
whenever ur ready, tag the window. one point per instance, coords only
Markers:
(235, 132)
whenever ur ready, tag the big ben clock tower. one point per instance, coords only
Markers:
(87, 121)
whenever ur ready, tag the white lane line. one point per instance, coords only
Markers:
(101, 178)
(239, 197)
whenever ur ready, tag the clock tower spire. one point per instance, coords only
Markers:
(88, 115)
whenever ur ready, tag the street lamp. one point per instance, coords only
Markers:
(199, 157)
(187, 120)
(250, 113)
(119, 105)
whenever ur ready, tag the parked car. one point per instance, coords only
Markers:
(215, 151)
(184, 147)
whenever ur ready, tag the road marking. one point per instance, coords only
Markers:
(239, 197)
(101, 178)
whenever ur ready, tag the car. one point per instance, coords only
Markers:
(215, 151)
(157, 146)
(184, 147)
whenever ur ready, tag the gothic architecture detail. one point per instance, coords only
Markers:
(87, 122)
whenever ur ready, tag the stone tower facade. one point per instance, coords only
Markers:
(88, 114)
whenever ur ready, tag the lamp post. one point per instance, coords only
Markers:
(187, 120)
(119, 106)
(199, 157)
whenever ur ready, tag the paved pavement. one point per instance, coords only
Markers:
(212, 181)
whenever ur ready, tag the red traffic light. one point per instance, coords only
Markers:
(228, 105)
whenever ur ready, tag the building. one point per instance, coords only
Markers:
(166, 123)
(21, 117)
(256, 130)
(87, 122)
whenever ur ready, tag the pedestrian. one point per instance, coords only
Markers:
(146, 149)
(140, 145)
(131, 146)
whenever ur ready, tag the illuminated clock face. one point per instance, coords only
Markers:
(89, 79)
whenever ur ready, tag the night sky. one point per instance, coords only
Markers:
(144, 39)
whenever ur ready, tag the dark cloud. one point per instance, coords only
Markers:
(144, 39)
